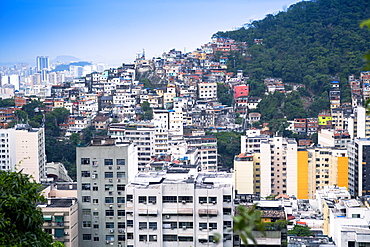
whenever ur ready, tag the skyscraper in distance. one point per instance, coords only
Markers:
(42, 63)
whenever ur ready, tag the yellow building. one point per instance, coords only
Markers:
(323, 166)
(324, 119)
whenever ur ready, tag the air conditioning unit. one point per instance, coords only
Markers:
(225, 227)
(228, 200)
(120, 245)
(200, 228)
(120, 230)
(111, 206)
(107, 242)
(210, 228)
(118, 180)
(110, 193)
(93, 176)
(66, 233)
(154, 237)
(214, 202)
(184, 228)
(153, 202)
(167, 216)
(118, 167)
(119, 205)
(110, 180)
(119, 192)
(183, 202)
(201, 202)
(110, 168)
(111, 230)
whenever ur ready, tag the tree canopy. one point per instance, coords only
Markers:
(20, 219)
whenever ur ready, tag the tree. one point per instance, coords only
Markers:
(300, 230)
(20, 219)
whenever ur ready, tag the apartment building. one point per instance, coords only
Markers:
(23, 149)
(207, 90)
(60, 213)
(179, 208)
(103, 170)
(319, 168)
(359, 167)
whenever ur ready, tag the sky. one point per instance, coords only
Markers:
(114, 31)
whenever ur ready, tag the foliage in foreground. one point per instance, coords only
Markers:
(20, 219)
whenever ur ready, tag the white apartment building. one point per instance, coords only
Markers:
(23, 148)
(179, 209)
(207, 90)
(278, 166)
(103, 170)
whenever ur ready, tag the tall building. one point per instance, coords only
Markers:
(320, 167)
(23, 149)
(359, 167)
(179, 208)
(103, 170)
(42, 62)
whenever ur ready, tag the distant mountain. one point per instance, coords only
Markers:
(62, 67)
(309, 43)
(65, 59)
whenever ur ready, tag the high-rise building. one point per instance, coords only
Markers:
(103, 170)
(359, 167)
(42, 63)
(23, 149)
(179, 208)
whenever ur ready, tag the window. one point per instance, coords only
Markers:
(121, 237)
(109, 200)
(356, 216)
(227, 211)
(185, 224)
(108, 174)
(130, 223)
(129, 198)
(85, 186)
(86, 237)
(202, 199)
(227, 224)
(153, 225)
(152, 199)
(109, 224)
(142, 199)
(143, 225)
(121, 213)
(213, 225)
(85, 161)
(86, 199)
(109, 238)
(108, 162)
(96, 226)
(212, 200)
(202, 225)
(169, 225)
(109, 212)
(121, 162)
(185, 199)
(96, 239)
(153, 238)
(185, 239)
(109, 187)
(86, 224)
(121, 174)
(170, 238)
(120, 200)
(143, 238)
(85, 174)
(95, 213)
(170, 199)
(86, 212)
(120, 187)
(95, 201)
(95, 188)
(227, 198)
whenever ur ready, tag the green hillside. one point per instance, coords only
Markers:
(309, 43)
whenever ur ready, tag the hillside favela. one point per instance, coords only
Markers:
(258, 137)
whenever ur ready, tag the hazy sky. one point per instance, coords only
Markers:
(113, 31)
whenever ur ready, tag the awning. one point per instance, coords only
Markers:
(59, 214)
(185, 211)
(169, 211)
(185, 235)
(142, 211)
(152, 211)
(47, 217)
(208, 211)
(59, 218)
(203, 237)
